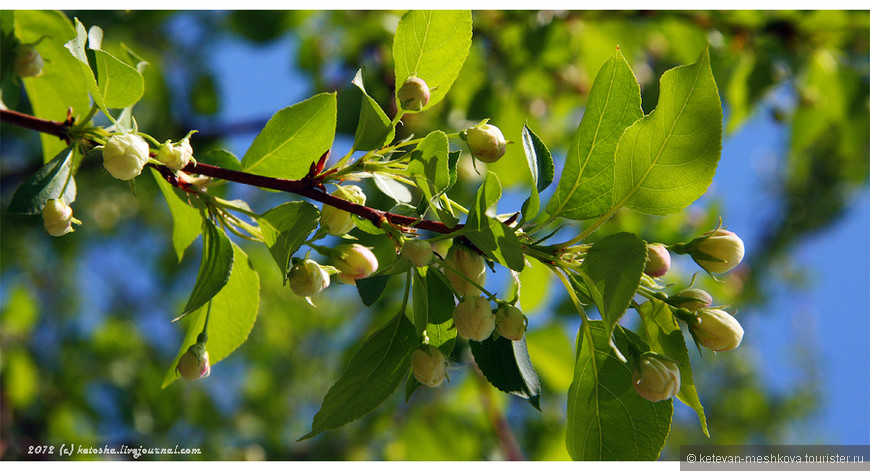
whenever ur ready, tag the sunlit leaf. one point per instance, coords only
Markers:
(186, 220)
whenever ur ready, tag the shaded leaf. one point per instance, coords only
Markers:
(285, 228)
(214, 268)
(488, 234)
(507, 366)
(46, 184)
(371, 288)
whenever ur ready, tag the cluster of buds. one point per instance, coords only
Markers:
(413, 95)
(466, 270)
(194, 363)
(307, 278)
(354, 262)
(656, 378)
(429, 366)
(125, 155)
(176, 156)
(336, 221)
(485, 141)
(57, 218)
(418, 252)
(28, 62)
(717, 251)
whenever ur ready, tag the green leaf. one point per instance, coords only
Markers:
(374, 129)
(221, 158)
(585, 189)
(442, 336)
(285, 228)
(666, 160)
(371, 288)
(507, 366)
(398, 192)
(612, 270)
(663, 335)
(441, 302)
(293, 138)
(374, 372)
(77, 47)
(46, 184)
(120, 85)
(433, 46)
(233, 313)
(186, 225)
(541, 165)
(214, 269)
(607, 419)
(61, 86)
(429, 166)
(491, 236)
(421, 300)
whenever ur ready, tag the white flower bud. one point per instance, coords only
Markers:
(175, 156)
(57, 218)
(125, 155)
(658, 260)
(307, 278)
(486, 142)
(336, 221)
(470, 264)
(194, 363)
(717, 251)
(510, 322)
(429, 366)
(692, 299)
(474, 319)
(28, 62)
(656, 379)
(417, 251)
(717, 330)
(413, 95)
(354, 262)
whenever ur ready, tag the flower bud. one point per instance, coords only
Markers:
(470, 264)
(691, 299)
(474, 319)
(429, 365)
(354, 262)
(717, 251)
(419, 252)
(125, 155)
(307, 278)
(175, 156)
(57, 218)
(28, 62)
(413, 95)
(336, 221)
(656, 379)
(717, 330)
(486, 142)
(658, 260)
(510, 322)
(194, 363)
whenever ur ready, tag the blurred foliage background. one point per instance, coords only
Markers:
(86, 337)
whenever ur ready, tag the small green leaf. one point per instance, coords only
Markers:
(214, 269)
(186, 225)
(421, 300)
(607, 419)
(233, 313)
(442, 336)
(491, 236)
(432, 45)
(539, 159)
(46, 184)
(507, 366)
(120, 85)
(293, 138)
(374, 129)
(371, 288)
(429, 166)
(441, 302)
(398, 192)
(374, 372)
(77, 47)
(220, 158)
(663, 335)
(285, 228)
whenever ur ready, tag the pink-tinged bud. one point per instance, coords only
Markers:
(28, 62)
(717, 251)
(510, 322)
(486, 142)
(474, 319)
(419, 252)
(470, 264)
(336, 221)
(354, 262)
(691, 299)
(717, 330)
(429, 365)
(307, 278)
(57, 218)
(413, 95)
(194, 363)
(125, 155)
(656, 379)
(176, 156)
(658, 260)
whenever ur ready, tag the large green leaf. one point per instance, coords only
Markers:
(663, 335)
(507, 366)
(372, 375)
(78, 47)
(46, 184)
(586, 187)
(607, 419)
(666, 160)
(120, 85)
(61, 86)
(374, 129)
(293, 138)
(490, 235)
(285, 228)
(186, 224)
(432, 45)
(233, 313)
(214, 268)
